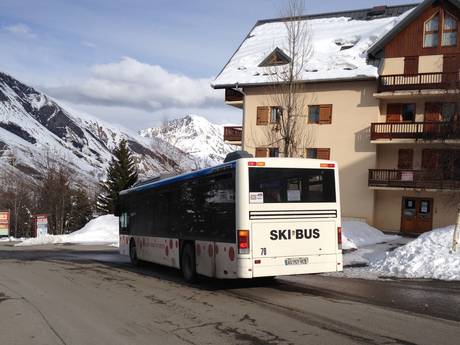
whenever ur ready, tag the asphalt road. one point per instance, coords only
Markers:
(91, 295)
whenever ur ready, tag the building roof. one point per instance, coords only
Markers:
(339, 43)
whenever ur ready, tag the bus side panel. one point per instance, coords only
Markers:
(205, 258)
(124, 245)
(159, 250)
(226, 260)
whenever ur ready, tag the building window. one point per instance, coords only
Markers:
(313, 114)
(273, 152)
(436, 111)
(321, 114)
(275, 114)
(408, 112)
(318, 153)
(405, 158)
(431, 31)
(397, 112)
(449, 31)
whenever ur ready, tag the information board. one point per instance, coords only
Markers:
(4, 223)
(42, 225)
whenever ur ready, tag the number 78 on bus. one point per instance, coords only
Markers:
(247, 218)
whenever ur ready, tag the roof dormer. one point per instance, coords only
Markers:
(276, 58)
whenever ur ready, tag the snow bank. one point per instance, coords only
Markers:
(356, 234)
(425, 257)
(101, 230)
(11, 239)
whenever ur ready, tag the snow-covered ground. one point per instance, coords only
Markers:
(101, 230)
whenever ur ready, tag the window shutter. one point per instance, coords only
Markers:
(262, 115)
(394, 112)
(325, 113)
(433, 111)
(323, 154)
(411, 65)
(261, 152)
(405, 158)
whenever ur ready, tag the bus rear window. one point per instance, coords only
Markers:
(285, 185)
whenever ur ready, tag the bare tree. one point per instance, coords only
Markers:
(289, 130)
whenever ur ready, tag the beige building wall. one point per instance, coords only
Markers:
(388, 207)
(353, 110)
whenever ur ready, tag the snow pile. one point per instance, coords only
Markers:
(101, 230)
(425, 257)
(357, 234)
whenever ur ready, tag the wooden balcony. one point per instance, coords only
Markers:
(232, 95)
(428, 131)
(233, 134)
(420, 81)
(414, 179)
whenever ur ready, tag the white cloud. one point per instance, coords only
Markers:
(21, 30)
(130, 83)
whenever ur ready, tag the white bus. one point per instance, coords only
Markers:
(252, 217)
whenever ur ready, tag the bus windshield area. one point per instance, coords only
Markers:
(287, 185)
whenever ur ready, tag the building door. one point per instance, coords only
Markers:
(450, 65)
(417, 215)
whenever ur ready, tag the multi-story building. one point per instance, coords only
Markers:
(381, 94)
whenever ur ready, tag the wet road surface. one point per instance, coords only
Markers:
(88, 295)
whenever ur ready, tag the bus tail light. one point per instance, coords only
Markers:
(243, 241)
(339, 237)
(327, 165)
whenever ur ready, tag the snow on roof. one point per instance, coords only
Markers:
(339, 45)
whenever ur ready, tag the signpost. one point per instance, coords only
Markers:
(4, 223)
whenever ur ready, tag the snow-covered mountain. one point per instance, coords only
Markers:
(194, 135)
(35, 131)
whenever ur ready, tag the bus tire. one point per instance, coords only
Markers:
(133, 253)
(188, 263)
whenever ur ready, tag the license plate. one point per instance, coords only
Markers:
(296, 261)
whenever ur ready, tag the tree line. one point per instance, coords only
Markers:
(59, 193)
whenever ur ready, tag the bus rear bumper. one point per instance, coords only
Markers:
(280, 266)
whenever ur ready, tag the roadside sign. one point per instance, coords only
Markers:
(4, 223)
(41, 225)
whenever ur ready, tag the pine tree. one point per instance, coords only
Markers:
(121, 174)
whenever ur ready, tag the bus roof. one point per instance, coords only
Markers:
(174, 179)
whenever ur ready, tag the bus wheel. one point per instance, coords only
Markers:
(188, 263)
(133, 253)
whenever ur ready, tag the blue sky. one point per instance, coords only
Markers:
(62, 46)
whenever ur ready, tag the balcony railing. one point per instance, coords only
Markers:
(416, 130)
(419, 179)
(233, 133)
(420, 81)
